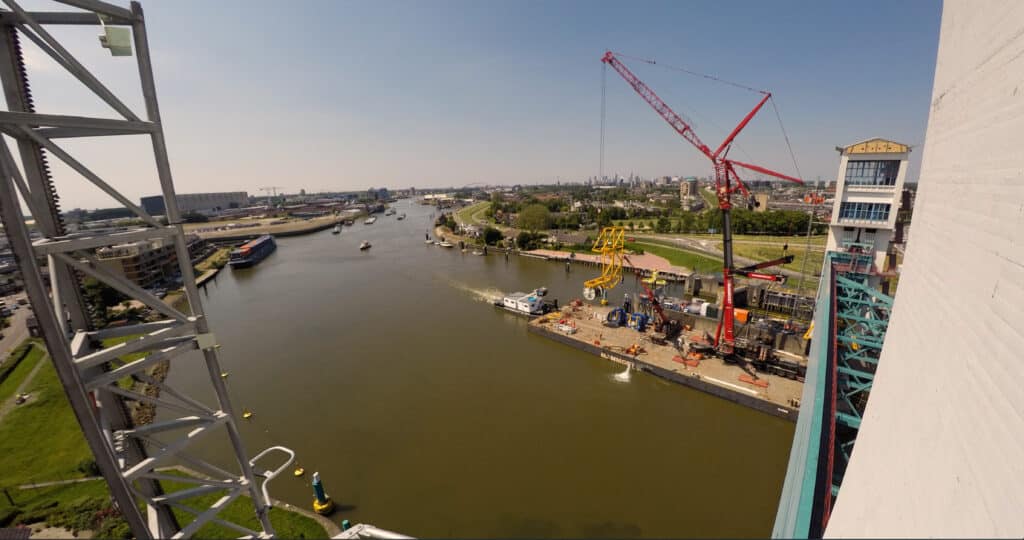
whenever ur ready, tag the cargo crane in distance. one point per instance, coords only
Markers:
(727, 182)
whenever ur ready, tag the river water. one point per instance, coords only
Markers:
(429, 412)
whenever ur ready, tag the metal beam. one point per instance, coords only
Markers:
(96, 270)
(60, 18)
(159, 339)
(169, 449)
(18, 236)
(89, 175)
(88, 241)
(111, 377)
(68, 121)
(104, 8)
(52, 47)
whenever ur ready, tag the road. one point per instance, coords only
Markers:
(17, 332)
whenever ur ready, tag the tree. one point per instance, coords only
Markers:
(492, 236)
(632, 226)
(535, 217)
(663, 225)
(194, 217)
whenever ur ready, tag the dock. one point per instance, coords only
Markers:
(770, 394)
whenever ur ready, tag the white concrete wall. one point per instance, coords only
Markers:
(941, 449)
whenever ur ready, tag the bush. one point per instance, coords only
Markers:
(88, 467)
(527, 240)
(8, 515)
(492, 236)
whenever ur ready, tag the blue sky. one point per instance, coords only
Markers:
(348, 95)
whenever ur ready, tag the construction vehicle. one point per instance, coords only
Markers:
(727, 183)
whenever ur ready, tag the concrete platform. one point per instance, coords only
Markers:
(770, 394)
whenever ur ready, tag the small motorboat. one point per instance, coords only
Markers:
(446, 244)
(364, 246)
(337, 229)
(428, 241)
(401, 216)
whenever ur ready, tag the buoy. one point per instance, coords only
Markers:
(247, 414)
(299, 471)
(322, 503)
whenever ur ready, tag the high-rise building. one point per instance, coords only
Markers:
(867, 200)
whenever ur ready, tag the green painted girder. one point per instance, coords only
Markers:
(883, 323)
(879, 297)
(848, 420)
(852, 388)
(862, 341)
(853, 372)
(859, 356)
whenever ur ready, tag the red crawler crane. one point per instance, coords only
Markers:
(726, 183)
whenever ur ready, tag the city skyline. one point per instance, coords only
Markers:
(347, 96)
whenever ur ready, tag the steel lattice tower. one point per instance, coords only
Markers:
(130, 456)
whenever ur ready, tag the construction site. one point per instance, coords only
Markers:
(400, 409)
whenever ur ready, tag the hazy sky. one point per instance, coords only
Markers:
(348, 95)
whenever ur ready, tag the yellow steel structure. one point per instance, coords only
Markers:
(611, 245)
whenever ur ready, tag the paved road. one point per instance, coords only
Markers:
(17, 332)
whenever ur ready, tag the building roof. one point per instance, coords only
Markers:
(875, 145)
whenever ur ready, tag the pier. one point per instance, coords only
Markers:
(770, 394)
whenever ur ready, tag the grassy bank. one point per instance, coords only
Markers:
(40, 441)
(466, 215)
(17, 366)
(217, 260)
(678, 257)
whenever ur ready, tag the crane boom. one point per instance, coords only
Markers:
(726, 182)
(681, 126)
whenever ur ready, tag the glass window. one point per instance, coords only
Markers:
(864, 211)
(872, 173)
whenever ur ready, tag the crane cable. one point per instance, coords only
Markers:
(694, 73)
(604, 77)
(778, 116)
(786, 136)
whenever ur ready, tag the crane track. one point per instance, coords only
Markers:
(39, 155)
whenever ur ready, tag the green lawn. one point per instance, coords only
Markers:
(465, 215)
(286, 524)
(41, 440)
(710, 199)
(15, 378)
(679, 257)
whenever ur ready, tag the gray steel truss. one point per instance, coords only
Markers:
(131, 457)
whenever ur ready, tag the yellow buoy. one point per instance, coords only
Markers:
(247, 414)
(299, 471)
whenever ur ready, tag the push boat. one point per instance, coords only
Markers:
(532, 304)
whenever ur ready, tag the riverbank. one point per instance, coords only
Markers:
(766, 393)
(295, 227)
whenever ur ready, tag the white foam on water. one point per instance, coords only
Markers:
(487, 295)
(624, 376)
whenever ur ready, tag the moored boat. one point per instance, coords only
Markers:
(364, 246)
(252, 252)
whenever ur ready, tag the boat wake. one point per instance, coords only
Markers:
(487, 295)
(624, 376)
